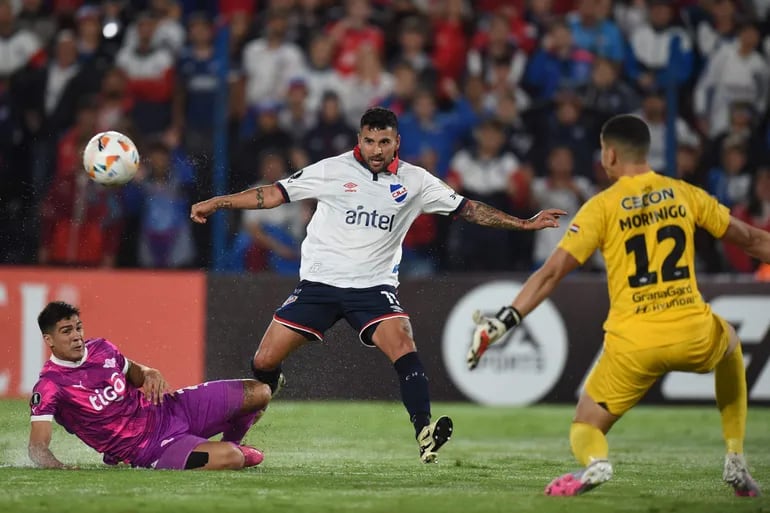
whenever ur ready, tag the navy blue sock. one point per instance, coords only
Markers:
(414, 389)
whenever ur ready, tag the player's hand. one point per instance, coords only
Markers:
(154, 386)
(548, 218)
(201, 210)
(489, 330)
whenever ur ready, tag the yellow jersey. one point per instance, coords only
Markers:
(644, 226)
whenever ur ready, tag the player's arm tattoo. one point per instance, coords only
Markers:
(260, 198)
(482, 214)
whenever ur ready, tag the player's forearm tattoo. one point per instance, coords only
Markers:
(224, 204)
(484, 215)
(260, 198)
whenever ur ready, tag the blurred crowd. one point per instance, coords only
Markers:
(503, 99)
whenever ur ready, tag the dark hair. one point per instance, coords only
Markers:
(630, 133)
(379, 118)
(54, 312)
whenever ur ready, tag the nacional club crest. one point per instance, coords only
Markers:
(398, 192)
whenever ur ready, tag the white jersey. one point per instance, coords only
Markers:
(354, 238)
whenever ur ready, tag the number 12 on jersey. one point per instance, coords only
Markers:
(669, 271)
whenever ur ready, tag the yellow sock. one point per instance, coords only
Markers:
(588, 443)
(730, 384)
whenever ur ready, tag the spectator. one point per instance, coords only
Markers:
(493, 47)
(566, 125)
(519, 140)
(366, 86)
(688, 163)
(607, 94)
(114, 101)
(36, 18)
(115, 19)
(169, 32)
(150, 73)
(52, 95)
(320, 74)
(81, 221)
(562, 189)
(736, 73)
(717, 29)
(540, 16)
(490, 175)
(268, 137)
(730, 182)
(592, 31)
(744, 125)
(94, 53)
(18, 47)
(653, 112)
(649, 61)
(501, 86)
(404, 88)
(412, 42)
(755, 212)
(450, 25)
(310, 19)
(331, 135)
(295, 118)
(276, 232)
(196, 89)
(351, 33)
(165, 239)
(557, 65)
(425, 128)
(269, 63)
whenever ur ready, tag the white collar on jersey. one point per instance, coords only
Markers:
(67, 363)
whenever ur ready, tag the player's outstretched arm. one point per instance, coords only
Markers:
(538, 287)
(484, 215)
(150, 380)
(265, 196)
(753, 241)
(39, 442)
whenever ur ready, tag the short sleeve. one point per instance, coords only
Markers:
(43, 404)
(708, 212)
(112, 351)
(586, 232)
(438, 197)
(304, 184)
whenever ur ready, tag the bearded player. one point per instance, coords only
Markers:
(367, 200)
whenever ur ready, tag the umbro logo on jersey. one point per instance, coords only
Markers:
(398, 192)
(296, 175)
(351, 187)
(109, 363)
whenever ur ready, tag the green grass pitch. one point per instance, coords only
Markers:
(361, 457)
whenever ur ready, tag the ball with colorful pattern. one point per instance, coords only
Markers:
(110, 158)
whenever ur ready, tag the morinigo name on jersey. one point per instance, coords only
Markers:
(360, 217)
(663, 213)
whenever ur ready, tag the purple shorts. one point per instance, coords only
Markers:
(188, 418)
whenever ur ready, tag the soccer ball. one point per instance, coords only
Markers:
(110, 158)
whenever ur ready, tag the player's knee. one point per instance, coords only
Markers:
(256, 395)
(269, 376)
(401, 345)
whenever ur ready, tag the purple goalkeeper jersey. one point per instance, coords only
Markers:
(93, 400)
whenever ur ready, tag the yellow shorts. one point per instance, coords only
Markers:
(621, 378)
